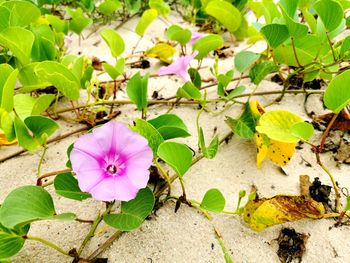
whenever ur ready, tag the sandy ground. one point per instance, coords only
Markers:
(186, 236)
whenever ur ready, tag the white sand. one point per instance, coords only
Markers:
(186, 236)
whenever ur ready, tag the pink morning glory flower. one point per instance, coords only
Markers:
(112, 162)
(68, 40)
(179, 67)
(195, 37)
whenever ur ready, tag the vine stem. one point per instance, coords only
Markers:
(42, 159)
(295, 53)
(165, 174)
(331, 46)
(334, 183)
(40, 178)
(48, 141)
(94, 226)
(47, 243)
(326, 132)
(105, 245)
(172, 101)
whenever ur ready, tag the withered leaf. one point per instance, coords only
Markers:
(261, 213)
(343, 152)
(341, 123)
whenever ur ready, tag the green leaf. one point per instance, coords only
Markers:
(213, 200)
(78, 21)
(42, 103)
(133, 6)
(227, 14)
(137, 89)
(345, 46)
(8, 90)
(67, 186)
(146, 129)
(58, 24)
(5, 72)
(41, 127)
(44, 44)
(277, 125)
(23, 13)
(146, 19)
(245, 59)
(11, 241)
(189, 91)
(163, 51)
(347, 206)
(59, 76)
(170, 126)
(162, 7)
(19, 41)
(133, 212)
(114, 41)
(178, 156)
(210, 151)
(244, 127)
(285, 55)
(330, 12)
(177, 33)
(24, 138)
(296, 30)
(223, 81)
(195, 77)
(337, 94)
(4, 17)
(29, 80)
(108, 7)
(26, 204)
(26, 105)
(206, 44)
(302, 130)
(260, 71)
(289, 7)
(235, 92)
(7, 125)
(275, 34)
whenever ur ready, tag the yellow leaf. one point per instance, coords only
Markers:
(256, 108)
(4, 141)
(261, 213)
(162, 51)
(278, 152)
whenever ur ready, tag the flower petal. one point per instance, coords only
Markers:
(138, 177)
(83, 161)
(132, 145)
(142, 159)
(89, 144)
(114, 188)
(104, 190)
(87, 169)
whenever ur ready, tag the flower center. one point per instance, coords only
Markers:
(112, 169)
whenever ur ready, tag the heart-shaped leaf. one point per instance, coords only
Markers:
(277, 125)
(67, 186)
(133, 212)
(170, 126)
(146, 19)
(114, 41)
(213, 200)
(337, 94)
(146, 129)
(178, 156)
(225, 13)
(206, 44)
